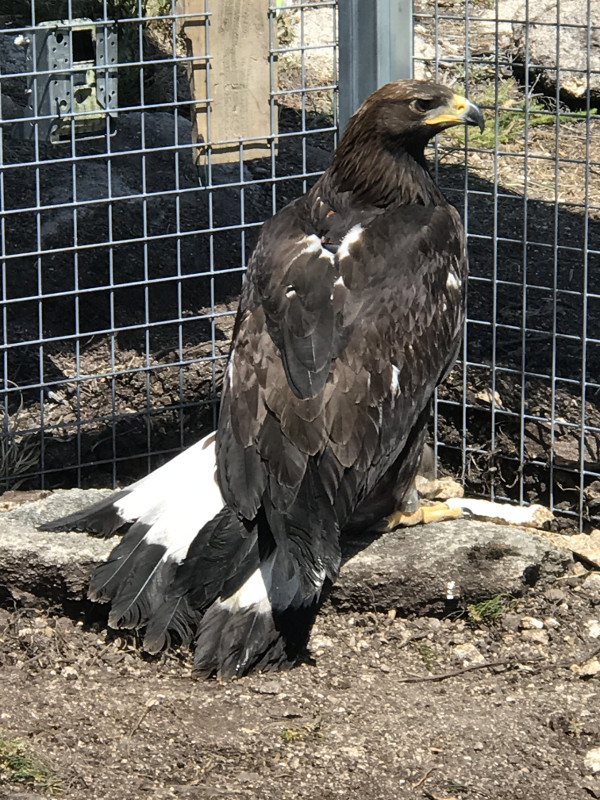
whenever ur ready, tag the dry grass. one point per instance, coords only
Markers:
(529, 150)
(19, 452)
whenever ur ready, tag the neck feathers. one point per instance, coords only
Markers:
(381, 171)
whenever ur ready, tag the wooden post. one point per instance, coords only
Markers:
(230, 77)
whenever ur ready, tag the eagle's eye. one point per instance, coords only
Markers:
(421, 105)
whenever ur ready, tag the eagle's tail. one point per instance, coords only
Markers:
(254, 613)
(232, 590)
(183, 493)
(189, 566)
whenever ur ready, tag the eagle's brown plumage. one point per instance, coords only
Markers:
(350, 316)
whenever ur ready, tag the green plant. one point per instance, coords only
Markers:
(18, 765)
(509, 114)
(576, 728)
(428, 655)
(488, 611)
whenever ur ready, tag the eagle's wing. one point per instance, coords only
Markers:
(283, 344)
(336, 356)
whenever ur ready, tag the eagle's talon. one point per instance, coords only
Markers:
(437, 512)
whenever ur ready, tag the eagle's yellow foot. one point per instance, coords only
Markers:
(423, 515)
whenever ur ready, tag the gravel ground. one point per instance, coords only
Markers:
(497, 704)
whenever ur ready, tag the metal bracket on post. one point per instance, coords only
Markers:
(72, 79)
(375, 47)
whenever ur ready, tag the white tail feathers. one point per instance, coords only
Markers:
(175, 501)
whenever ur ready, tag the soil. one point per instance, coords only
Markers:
(386, 708)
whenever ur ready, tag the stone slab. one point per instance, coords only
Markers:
(418, 570)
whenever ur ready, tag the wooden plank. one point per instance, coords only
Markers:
(232, 86)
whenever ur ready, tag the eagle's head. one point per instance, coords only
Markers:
(415, 111)
(396, 121)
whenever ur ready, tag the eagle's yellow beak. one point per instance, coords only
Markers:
(459, 111)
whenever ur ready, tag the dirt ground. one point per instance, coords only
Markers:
(499, 704)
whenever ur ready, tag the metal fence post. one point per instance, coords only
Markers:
(375, 47)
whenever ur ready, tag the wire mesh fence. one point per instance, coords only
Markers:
(520, 419)
(125, 234)
(129, 213)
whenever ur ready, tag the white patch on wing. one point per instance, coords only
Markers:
(176, 500)
(290, 292)
(312, 244)
(254, 592)
(453, 281)
(395, 376)
(339, 282)
(230, 365)
(350, 238)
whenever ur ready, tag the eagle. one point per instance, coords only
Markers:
(350, 316)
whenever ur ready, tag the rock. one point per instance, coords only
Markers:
(578, 570)
(555, 595)
(535, 46)
(531, 623)
(592, 759)
(592, 583)
(424, 54)
(535, 636)
(315, 29)
(592, 787)
(510, 622)
(433, 568)
(592, 494)
(586, 545)
(438, 488)
(467, 654)
(69, 673)
(319, 643)
(410, 570)
(593, 626)
(266, 687)
(588, 669)
(57, 504)
(50, 565)
(16, 497)
(492, 33)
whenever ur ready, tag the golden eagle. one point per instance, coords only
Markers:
(350, 316)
